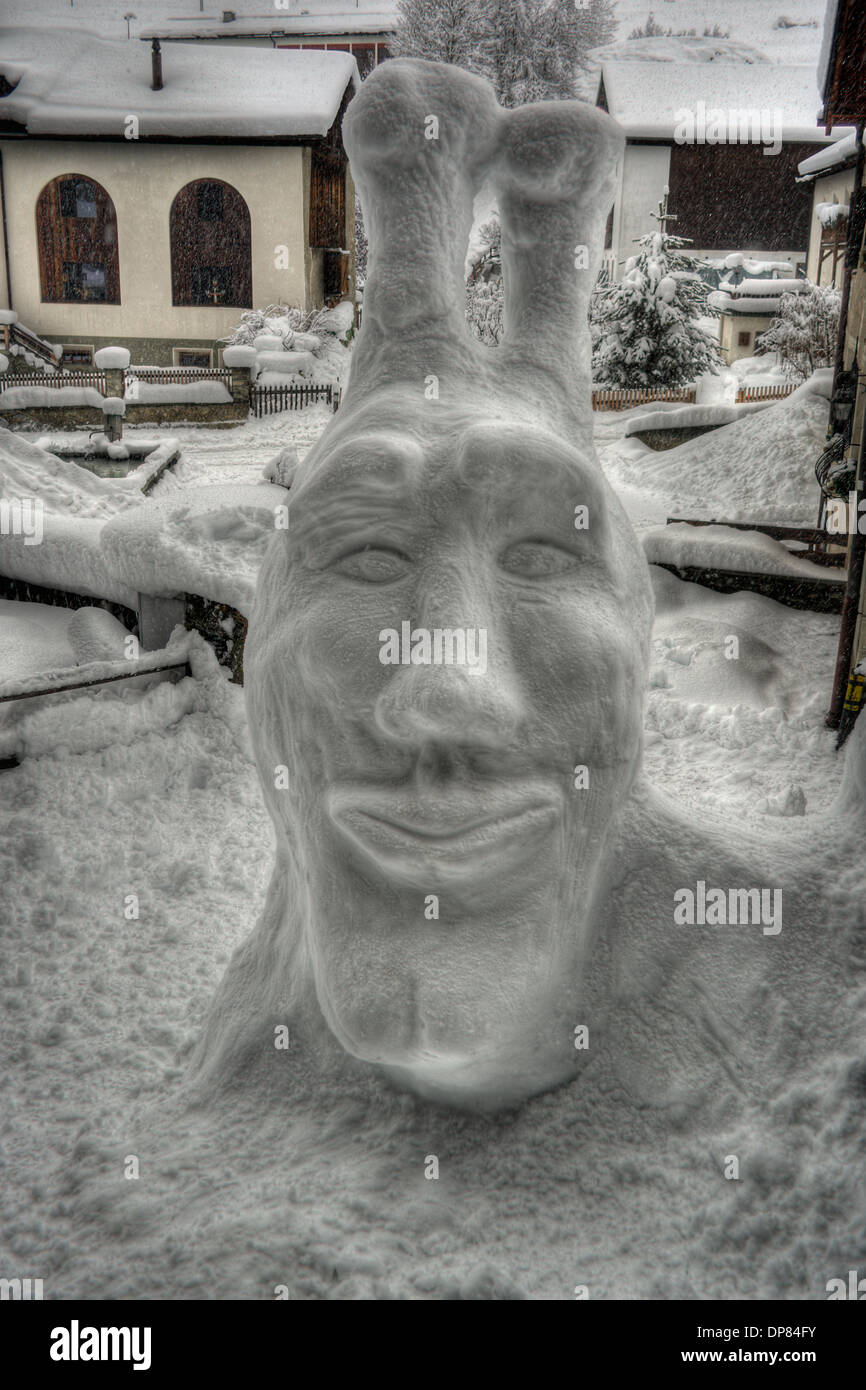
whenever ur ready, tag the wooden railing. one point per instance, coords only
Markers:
(268, 400)
(765, 393)
(626, 397)
(14, 333)
(178, 376)
(88, 377)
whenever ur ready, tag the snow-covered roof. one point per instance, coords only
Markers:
(830, 17)
(71, 82)
(649, 99)
(836, 156)
(360, 21)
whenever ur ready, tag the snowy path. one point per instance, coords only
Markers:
(239, 455)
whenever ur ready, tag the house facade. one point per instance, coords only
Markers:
(148, 199)
(725, 139)
(830, 174)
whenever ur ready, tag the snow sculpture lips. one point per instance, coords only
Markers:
(441, 842)
(477, 505)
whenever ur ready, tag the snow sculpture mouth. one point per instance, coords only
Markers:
(442, 871)
(432, 842)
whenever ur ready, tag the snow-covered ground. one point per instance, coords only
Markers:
(153, 794)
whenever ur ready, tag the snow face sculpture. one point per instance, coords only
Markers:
(447, 654)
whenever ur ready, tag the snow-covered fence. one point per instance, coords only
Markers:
(85, 378)
(765, 393)
(625, 397)
(178, 376)
(268, 400)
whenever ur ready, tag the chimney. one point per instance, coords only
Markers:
(156, 60)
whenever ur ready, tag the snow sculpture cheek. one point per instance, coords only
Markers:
(458, 616)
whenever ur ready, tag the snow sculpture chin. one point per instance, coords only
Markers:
(456, 620)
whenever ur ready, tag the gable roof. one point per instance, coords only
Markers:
(648, 99)
(380, 19)
(71, 82)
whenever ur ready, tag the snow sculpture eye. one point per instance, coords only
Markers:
(538, 559)
(373, 565)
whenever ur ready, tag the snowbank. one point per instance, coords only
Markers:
(62, 486)
(69, 557)
(33, 638)
(202, 540)
(760, 468)
(28, 397)
(691, 417)
(185, 393)
(722, 547)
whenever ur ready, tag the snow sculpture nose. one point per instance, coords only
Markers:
(451, 705)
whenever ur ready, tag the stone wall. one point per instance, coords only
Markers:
(213, 414)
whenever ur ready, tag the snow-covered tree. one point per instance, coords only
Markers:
(443, 31)
(646, 329)
(805, 332)
(530, 50)
(484, 303)
(361, 246)
(484, 297)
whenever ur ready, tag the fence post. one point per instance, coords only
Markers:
(241, 361)
(113, 361)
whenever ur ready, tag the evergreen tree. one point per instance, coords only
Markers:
(804, 334)
(530, 50)
(361, 246)
(443, 31)
(646, 328)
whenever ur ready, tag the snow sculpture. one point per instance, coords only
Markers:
(447, 655)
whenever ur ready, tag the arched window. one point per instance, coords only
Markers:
(211, 261)
(76, 228)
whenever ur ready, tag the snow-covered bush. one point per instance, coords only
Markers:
(315, 342)
(646, 330)
(804, 334)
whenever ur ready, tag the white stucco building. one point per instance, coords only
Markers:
(147, 199)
